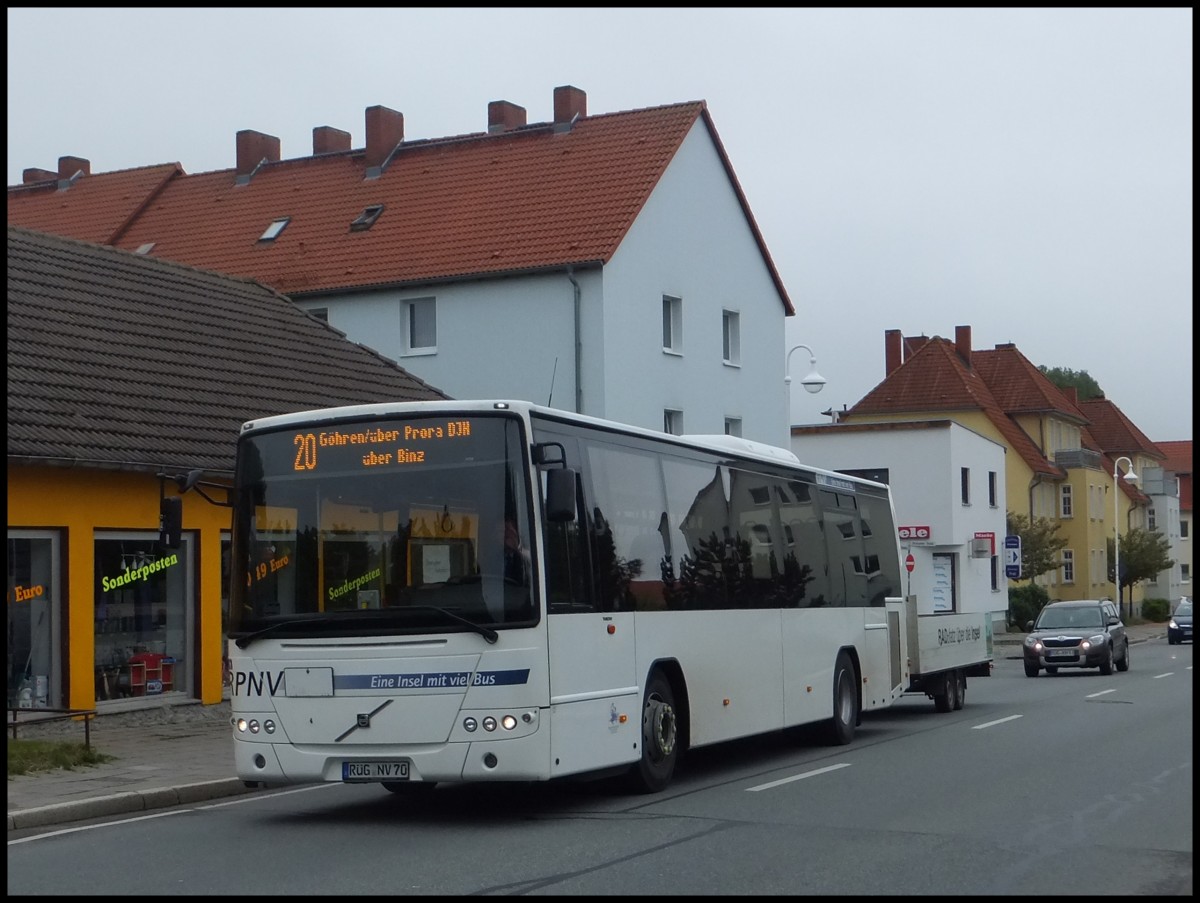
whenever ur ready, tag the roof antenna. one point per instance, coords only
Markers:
(553, 373)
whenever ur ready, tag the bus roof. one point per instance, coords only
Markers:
(735, 445)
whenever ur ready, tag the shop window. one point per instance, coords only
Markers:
(34, 668)
(143, 611)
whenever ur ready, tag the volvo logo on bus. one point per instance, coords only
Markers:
(917, 532)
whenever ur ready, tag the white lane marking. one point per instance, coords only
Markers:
(980, 727)
(798, 777)
(1167, 674)
(234, 801)
(1101, 693)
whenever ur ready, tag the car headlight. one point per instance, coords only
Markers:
(1171, 623)
(1030, 641)
(1097, 640)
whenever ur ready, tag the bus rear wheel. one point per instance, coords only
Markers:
(660, 738)
(839, 730)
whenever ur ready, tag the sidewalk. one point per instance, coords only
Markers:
(169, 755)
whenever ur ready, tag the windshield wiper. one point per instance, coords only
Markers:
(483, 630)
(360, 618)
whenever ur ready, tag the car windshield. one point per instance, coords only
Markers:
(1184, 608)
(1061, 618)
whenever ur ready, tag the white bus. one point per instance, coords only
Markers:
(497, 591)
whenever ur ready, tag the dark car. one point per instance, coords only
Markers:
(1179, 628)
(1085, 633)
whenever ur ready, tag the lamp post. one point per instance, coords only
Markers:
(1129, 478)
(813, 383)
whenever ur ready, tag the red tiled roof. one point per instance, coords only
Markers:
(1178, 456)
(93, 208)
(936, 380)
(537, 196)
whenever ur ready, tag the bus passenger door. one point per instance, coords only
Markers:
(595, 701)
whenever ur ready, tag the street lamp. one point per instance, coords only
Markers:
(814, 382)
(1129, 478)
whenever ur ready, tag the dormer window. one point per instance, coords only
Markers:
(367, 218)
(275, 228)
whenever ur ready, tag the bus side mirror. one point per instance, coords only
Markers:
(170, 522)
(560, 495)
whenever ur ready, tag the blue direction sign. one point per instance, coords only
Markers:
(1012, 557)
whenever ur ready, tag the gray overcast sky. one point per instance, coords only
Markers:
(1026, 172)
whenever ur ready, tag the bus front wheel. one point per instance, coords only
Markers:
(660, 738)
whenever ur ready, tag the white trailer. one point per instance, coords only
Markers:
(944, 650)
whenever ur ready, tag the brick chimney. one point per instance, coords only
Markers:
(328, 140)
(33, 174)
(504, 116)
(1072, 395)
(69, 167)
(962, 343)
(385, 132)
(893, 355)
(252, 149)
(569, 102)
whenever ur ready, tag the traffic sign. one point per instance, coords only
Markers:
(1012, 557)
(910, 563)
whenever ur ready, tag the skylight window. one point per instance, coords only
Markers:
(275, 228)
(367, 218)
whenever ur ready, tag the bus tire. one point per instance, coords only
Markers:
(660, 738)
(839, 730)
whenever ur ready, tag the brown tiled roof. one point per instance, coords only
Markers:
(117, 360)
(936, 380)
(535, 197)
(1019, 387)
(1115, 433)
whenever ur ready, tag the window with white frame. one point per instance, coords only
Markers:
(965, 477)
(1068, 566)
(420, 325)
(1183, 529)
(731, 340)
(1066, 506)
(673, 422)
(1151, 519)
(1185, 573)
(672, 324)
(733, 426)
(992, 492)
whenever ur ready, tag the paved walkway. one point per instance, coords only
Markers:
(168, 755)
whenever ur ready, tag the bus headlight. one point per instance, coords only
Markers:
(508, 722)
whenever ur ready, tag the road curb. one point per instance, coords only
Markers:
(125, 803)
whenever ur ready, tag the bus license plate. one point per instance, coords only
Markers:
(374, 771)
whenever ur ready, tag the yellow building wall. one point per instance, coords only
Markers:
(77, 502)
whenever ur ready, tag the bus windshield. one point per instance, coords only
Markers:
(404, 525)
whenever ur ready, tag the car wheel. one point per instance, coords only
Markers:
(839, 730)
(960, 697)
(1171, 641)
(1123, 664)
(1031, 670)
(660, 738)
(1106, 666)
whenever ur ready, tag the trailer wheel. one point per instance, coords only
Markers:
(944, 700)
(660, 739)
(960, 695)
(839, 730)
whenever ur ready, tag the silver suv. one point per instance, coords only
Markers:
(1086, 633)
